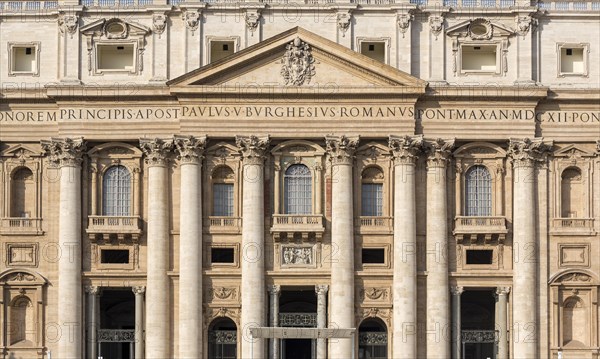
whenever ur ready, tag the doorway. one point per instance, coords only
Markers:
(478, 334)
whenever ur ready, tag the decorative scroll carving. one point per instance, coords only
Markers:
(403, 21)
(21, 277)
(308, 320)
(222, 337)
(479, 336)
(253, 148)
(382, 313)
(436, 24)
(527, 152)
(405, 150)
(297, 255)
(373, 338)
(598, 146)
(374, 293)
(92, 289)
(116, 335)
(481, 29)
(252, 18)
(274, 289)
(297, 63)
(191, 19)
(341, 149)
(67, 24)
(502, 290)
(524, 24)
(223, 293)
(139, 290)
(212, 313)
(159, 23)
(321, 289)
(438, 152)
(190, 148)
(457, 290)
(343, 21)
(576, 277)
(156, 150)
(64, 151)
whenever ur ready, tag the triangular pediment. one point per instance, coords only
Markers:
(114, 29)
(573, 151)
(479, 29)
(298, 59)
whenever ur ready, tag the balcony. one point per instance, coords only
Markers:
(374, 225)
(303, 225)
(22, 226)
(573, 226)
(475, 227)
(219, 224)
(120, 227)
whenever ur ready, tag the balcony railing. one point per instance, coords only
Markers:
(304, 224)
(116, 3)
(573, 226)
(220, 224)
(116, 335)
(473, 226)
(121, 226)
(373, 224)
(9, 6)
(308, 320)
(21, 226)
(569, 5)
(479, 336)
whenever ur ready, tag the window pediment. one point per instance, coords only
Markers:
(479, 29)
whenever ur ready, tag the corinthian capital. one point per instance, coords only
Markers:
(438, 152)
(156, 150)
(341, 149)
(64, 151)
(405, 150)
(321, 289)
(526, 152)
(253, 148)
(190, 149)
(138, 290)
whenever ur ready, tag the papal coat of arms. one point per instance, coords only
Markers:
(298, 63)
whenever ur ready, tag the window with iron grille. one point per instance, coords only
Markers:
(478, 192)
(223, 199)
(298, 190)
(116, 192)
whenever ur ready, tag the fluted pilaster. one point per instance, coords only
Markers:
(66, 154)
(341, 154)
(405, 152)
(254, 151)
(157, 292)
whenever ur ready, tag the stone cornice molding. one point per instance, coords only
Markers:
(253, 148)
(341, 149)
(138, 290)
(438, 152)
(405, 149)
(64, 152)
(526, 152)
(321, 289)
(156, 150)
(190, 149)
(457, 290)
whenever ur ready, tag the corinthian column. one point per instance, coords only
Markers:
(525, 153)
(274, 291)
(190, 152)
(405, 151)
(157, 289)
(321, 290)
(501, 321)
(341, 154)
(67, 155)
(438, 292)
(253, 151)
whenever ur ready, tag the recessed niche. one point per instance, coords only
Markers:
(479, 58)
(220, 49)
(115, 57)
(24, 59)
(571, 60)
(373, 49)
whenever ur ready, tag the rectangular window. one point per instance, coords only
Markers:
(220, 49)
(223, 199)
(372, 199)
(222, 255)
(480, 256)
(479, 58)
(374, 50)
(571, 60)
(373, 256)
(24, 59)
(116, 57)
(114, 256)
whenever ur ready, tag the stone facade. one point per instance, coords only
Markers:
(173, 175)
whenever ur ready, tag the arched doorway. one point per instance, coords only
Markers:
(372, 339)
(222, 339)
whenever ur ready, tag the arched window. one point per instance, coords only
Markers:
(222, 185)
(372, 192)
(575, 327)
(372, 339)
(22, 194)
(297, 190)
(22, 324)
(571, 193)
(478, 192)
(116, 192)
(222, 339)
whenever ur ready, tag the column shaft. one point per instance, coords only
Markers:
(321, 318)
(93, 323)
(456, 323)
(190, 248)
(139, 321)
(501, 322)
(275, 291)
